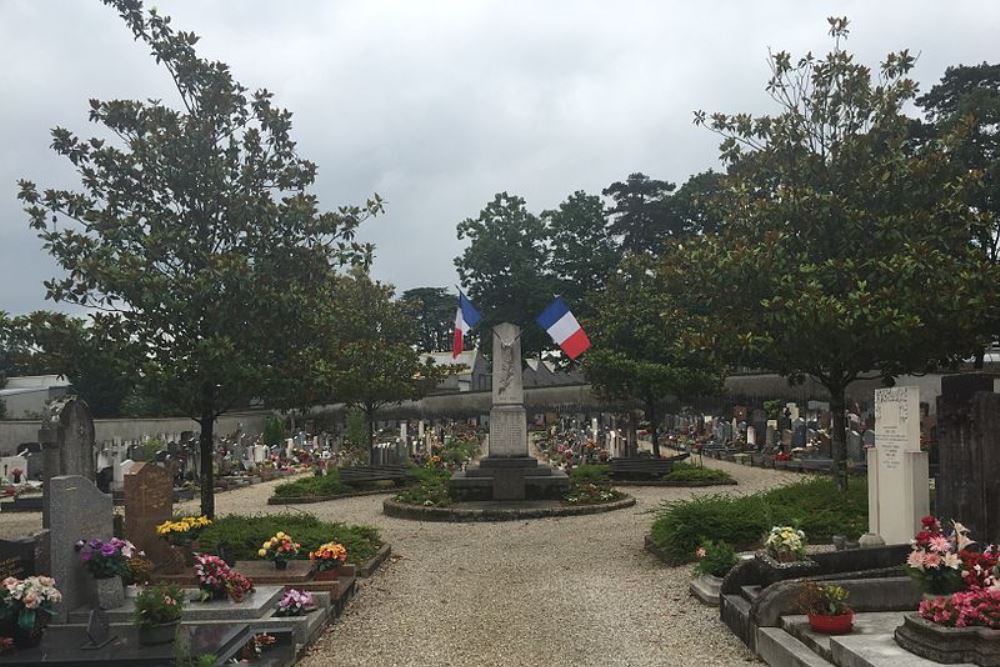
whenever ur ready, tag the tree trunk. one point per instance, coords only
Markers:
(980, 358)
(370, 419)
(838, 439)
(654, 429)
(631, 438)
(206, 443)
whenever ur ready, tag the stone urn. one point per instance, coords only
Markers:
(109, 592)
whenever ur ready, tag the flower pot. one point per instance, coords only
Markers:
(109, 593)
(27, 638)
(327, 575)
(164, 633)
(841, 624)
(281, 565)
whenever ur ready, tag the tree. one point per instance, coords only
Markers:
(505, 268)
(371, 362)
(966, 105)
(583, 253)
(641, 214)
(434, 309)
(639, 341)
(194, 233)
(845, 248)
(696, 203)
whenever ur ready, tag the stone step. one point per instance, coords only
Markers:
(779, 649)
(876, 651)
(750, 593)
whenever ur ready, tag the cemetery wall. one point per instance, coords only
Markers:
(13, 433)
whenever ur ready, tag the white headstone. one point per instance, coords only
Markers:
(898, 494)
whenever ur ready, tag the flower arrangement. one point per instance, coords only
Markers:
(281, 548)
(106, 559)
(182, 531)
(822, 600)
(934, 561)
(16, 473)
(216, 579)
(328, 556)
(139, 571)
(715, 559)
(28, 603)
(786, 544)
(159, 605)
(295, 603)
(976, 608)
(979, 569)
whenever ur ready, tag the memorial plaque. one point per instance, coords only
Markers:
(17, 558)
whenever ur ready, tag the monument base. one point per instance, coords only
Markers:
(508, 478)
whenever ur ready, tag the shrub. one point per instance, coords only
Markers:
(431, 489)
(716, 559)
(589, 473)
(815, 505)
(242, 535)
(822, 599)
(274, 432)
(317, 485)
(460, 450)
(157, 605)
(686, 472)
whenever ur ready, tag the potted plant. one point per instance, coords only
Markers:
(281, 548)
(785, 544)
(216, 579)
(934, 561)
(715, 559)
(327, 559)
(158, 613)
(107, 561)
(824, 605)
(26, 606)
(295, 603)
(16, 473)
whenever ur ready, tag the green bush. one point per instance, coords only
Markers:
(242, 535)
(431, 489)
(687, 472)
(326, 485)
(589, 474)
(814, 505)
(460, 450)
(274, 432)
(718, 559)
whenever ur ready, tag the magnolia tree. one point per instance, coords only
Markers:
(846, 251)
(194, 234)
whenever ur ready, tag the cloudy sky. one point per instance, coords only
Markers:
(438, 105)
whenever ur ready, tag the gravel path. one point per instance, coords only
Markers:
(547, 593)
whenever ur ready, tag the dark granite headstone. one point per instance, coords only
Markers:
(17, 558)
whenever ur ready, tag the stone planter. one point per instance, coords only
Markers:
(326, 575)
(979, 646)
(707, 588)
(152, 635)
(109, 593)
(774, 571)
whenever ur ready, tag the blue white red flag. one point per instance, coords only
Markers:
(567, 333)
(466, 317)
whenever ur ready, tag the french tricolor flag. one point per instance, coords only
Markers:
(567, 333)
(466, 317)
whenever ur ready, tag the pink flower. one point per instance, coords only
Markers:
(940, 544)
(700, 552)
(932, 560)
(916, 559)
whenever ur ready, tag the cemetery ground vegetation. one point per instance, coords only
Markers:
(689, 472)
(328, 484)
(816, 506)
(242, 535)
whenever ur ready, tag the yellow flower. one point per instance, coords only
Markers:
(262, 553)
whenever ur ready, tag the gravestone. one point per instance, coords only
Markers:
(898, 489)
(855, 447)
(771, 435)
(18, 557)
(968, 438)
(79, 512)
(149, 501)
(868, 438)
(67, 438)
(798, 432)
(10, 463)
(508, 472)
(752, 436)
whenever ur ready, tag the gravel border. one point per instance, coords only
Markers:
(370, 566)
(457, 514)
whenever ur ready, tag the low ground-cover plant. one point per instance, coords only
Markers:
(715, 558)
(589, 493)
(431, 489)
(593, 473)
(318, 485)
(242, 536)
(814, 505)
(460, 450)
(687, 472)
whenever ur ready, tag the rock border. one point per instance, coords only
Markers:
(980, 646)
(306, 500)
(400, 510)
(661, 482)
(370, 566)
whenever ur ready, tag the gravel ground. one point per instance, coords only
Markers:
(547, 593)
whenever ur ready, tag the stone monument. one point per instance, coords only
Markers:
(898, 489)
(67, 438)
(509, 472)
(149, 501)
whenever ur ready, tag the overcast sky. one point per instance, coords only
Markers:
(438, 105)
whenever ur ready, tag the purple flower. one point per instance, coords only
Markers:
(108, 550)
